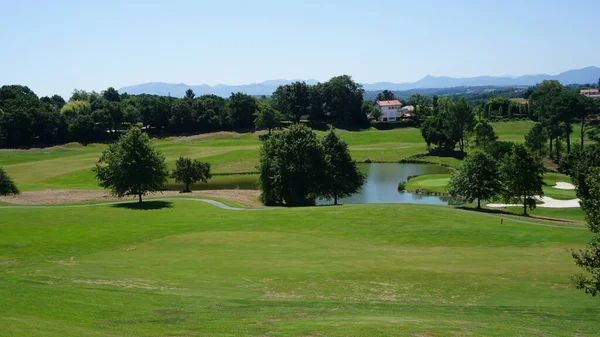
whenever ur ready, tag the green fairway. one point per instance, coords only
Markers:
(69, 166)
(186, 268)
(436, 183)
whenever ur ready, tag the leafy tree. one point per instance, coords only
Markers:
(484, 134)
(438, 131)
(131, 166)
(462, 121)
(536, 138)
(589, 258)
(369, 110)
(343, 100)
(386, 95)
(189, 94)
(291, 167)
(188, 172)
(523, 175)
(293, 100)
(266, 117)
(577, 165)
(76, 108)
(342, 176)
(111, 94)
(543, 105)
(7, 186)
(476, 179)
(79, 95)
(242, 109)
(317, 103)
(182, 116)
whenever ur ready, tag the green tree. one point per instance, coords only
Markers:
(317, 103)
(293, 100)
(188, 172)
(111, 94)
(76, 108)
(242, 109)
(462, 120)
(266, 117)
(577, 165)
(476, 179)
(536, 138)
(342, 176)
(385, 95)
(522, 174)
(343, 100)
(131, 166)
(291, 167)
(589, 258)
(189, 94)
(484, 134)
(422, 105)
(7, 186)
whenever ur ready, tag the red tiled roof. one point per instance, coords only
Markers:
(519, 100)
(389, 103)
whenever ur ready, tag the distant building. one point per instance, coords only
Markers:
(392, 111)
(519, 100)
(592, 93)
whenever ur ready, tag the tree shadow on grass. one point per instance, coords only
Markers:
(146, 205)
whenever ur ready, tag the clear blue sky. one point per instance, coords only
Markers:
(57, 46)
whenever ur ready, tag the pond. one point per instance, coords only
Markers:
(381, 185)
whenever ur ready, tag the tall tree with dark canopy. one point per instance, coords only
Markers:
(343, 100)
(385, 95)
(578, 164)
(462, 120)
(342, 176)
(7, 186)
(523, 175)
(484, 135)
(242, 108)
(111, 94)
(589, 258)
(188, 172)
(291, 167)
(189, 94)
(476, 179)
(293, 100)
(132, 166)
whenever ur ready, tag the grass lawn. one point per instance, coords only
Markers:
(576, 214)
(431, 182)
(183, 268)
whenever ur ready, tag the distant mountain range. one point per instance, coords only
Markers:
(576, 76)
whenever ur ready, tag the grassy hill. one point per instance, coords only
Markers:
(190, 269)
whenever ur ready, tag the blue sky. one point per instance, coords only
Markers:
(57, 46)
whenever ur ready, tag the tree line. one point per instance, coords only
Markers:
(26, 119)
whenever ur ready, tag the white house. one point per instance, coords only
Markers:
(390, 110)
(592, 93)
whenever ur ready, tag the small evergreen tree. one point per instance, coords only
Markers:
(342, 176)
(476, 179)
(188, 172)
(131, 166)
(523, 175)
(7, 186)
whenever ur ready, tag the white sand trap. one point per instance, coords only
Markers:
(547, 203)
(561, 185)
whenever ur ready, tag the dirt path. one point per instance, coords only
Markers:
(246, 198)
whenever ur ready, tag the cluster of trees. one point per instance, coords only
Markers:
(449, 125)
(516, 178)
(26, 119)
(556, 108)
(503, 107)
(296, 168)
(132, 166)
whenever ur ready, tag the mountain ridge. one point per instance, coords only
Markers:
(574, 76)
